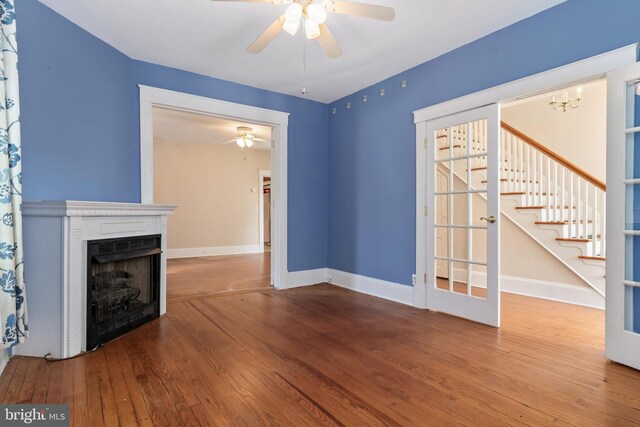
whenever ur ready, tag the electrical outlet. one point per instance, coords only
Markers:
(413, 279)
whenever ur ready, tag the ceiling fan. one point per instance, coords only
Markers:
(313, 14)
(244, 138)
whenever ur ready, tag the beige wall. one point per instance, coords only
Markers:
(578, 135)
(212, 186)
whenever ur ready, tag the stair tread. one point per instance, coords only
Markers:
(596, 258)
(560, 222)
(542, 207)
(507, 180)
(447, 147)
(572, 239)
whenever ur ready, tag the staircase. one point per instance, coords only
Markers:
(559, 205)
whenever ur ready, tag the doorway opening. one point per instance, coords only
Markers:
(212, 168)
(553, 195)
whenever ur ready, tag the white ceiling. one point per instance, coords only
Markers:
(196, 128)
(210, 38)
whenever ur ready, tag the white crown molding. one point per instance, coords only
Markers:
(77, 208)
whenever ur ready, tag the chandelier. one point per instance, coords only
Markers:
(564, 102)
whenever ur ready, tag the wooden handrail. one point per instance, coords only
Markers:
(558, 158)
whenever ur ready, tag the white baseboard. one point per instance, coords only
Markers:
(553, 291)
(296, 279)
(370, 286)
(561, 292)
(212, 251)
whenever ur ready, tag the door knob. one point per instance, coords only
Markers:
(491, 219)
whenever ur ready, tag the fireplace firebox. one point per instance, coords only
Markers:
(123, 286)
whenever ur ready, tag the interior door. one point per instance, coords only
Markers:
(464, 230)
(623, 225)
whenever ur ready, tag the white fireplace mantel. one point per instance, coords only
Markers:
(55, 242)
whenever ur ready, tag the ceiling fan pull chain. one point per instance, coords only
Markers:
(304, 65)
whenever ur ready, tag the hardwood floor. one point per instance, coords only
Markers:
(323, 355)
(197, 277)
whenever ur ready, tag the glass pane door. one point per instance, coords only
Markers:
(623, 230)
(462, 182)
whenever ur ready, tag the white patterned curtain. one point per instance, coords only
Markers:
(13, 309)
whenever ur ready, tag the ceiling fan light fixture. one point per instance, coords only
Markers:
(317, 13)
(240, 142)
(291, 27)
(311, 29)
(294, 12)
(248, 142)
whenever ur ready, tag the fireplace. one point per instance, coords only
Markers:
(123, 286)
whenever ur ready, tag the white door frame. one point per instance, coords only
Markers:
(622, 345)
(575, 73)
(277, 120)
(262, 174)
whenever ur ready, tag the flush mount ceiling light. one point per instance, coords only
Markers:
(313, 15)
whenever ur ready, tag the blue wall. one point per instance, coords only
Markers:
(372, 145)
(80, 125)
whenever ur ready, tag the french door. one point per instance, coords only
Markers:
(463, 215)
(623, 225)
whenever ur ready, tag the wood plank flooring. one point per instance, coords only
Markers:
(189, 277)
(323, 355)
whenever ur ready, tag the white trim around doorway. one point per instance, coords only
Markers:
(575, 73)
(262, 174)
(156, 97)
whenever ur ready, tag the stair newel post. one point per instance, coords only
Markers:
(555, 191)
(528, 186)
(571, 216)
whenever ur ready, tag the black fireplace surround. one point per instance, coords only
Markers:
(123, 286)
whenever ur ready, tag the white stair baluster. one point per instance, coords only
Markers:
(571, 195)
(528, 187)
(585, 227)
(564, 199)
(578, 188)
(521, 163)
(548, 197)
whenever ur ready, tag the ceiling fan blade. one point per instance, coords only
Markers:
(372, 11)
(265, 38)
(328, 43)
(229, 141)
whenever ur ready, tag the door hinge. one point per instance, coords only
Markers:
(426, 211)
(426, 142)
(425, 277)
(273, 144)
